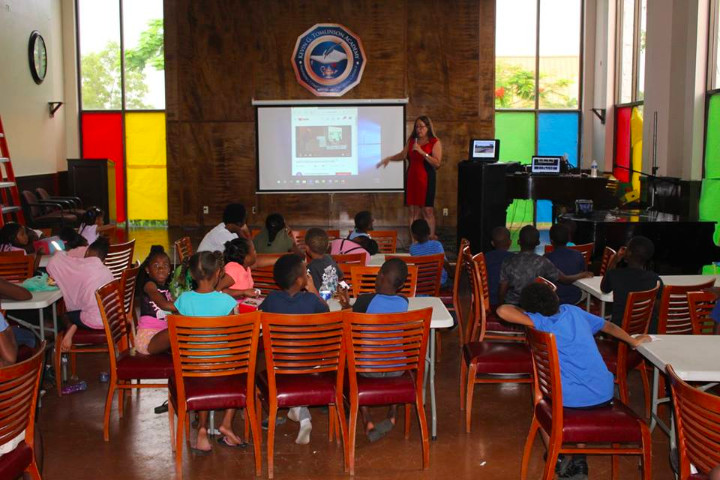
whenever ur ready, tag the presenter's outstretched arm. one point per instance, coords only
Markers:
(394, 158)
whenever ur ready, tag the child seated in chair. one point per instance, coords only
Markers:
(500, 240)
(78, 278)
(298, 296)
(423, 245)
(386, 299)
(586, 381)
(361, 233)
(324, 271)
(568, 261)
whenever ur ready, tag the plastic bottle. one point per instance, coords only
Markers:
(593, 169)
(81, 386)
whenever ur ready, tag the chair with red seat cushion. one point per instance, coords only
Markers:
(457, 301)
(674, 315)
(697, 420)
(386, 343)
(19, 384)
(618, 357)
(214, 360)
(305, 361)
(701, 305)
(489, 357)
(120, 257)
(125, 364)
(615, 424)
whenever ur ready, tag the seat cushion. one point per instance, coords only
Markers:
(698, 476)
(212, 393)
(136, 366)
(384, 390)
(299, 390)
(13, 464)
(612, 424)
(446, 296)
(609, 349)
(498, 357)
(86, 336)
(493, 323)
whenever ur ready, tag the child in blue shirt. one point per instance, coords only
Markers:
(586, 381)
(420, 230)
(389, 282)
(298, 296)
(205, 301)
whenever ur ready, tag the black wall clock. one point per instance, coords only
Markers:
(37, 55)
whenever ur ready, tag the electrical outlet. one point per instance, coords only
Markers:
(446, 212)
(254, 209)
(206, 209)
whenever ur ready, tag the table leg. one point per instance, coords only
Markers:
(655, 403)
(433, 405)
(54, 313)
(42, 324)
(602, 310)
(588, 302)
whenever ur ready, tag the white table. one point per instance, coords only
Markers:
(695, 358)
(39, 301)
(379, 258)
(592, 286)
(441, 318)
(44, 260)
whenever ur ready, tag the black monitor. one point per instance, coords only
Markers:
(484, 150)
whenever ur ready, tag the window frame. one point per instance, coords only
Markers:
(634, 83)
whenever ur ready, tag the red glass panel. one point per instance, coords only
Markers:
(102, 137)
(622, 143)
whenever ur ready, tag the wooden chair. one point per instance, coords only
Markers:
(263, 278)
(214, 368)
(120, 257)
(701, 305)
(13, 253)
(183, 248)
(386, 240)
(19, 385)
(485, 360)
(345, 262)
(608, 254)
(547, 282)
(697, 421)
(618, 357)
(128, 281)
(674, 316)
(387, 343)
(430, 268)
(305, 361)
(586, 249)
(125, 364)
(363, 280)
(463, 252)
(16, 268)
(299, 236)
(616, 424)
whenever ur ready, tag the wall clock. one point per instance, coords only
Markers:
(37, 55)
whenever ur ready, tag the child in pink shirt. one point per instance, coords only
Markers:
(78, 279)
(239, 257)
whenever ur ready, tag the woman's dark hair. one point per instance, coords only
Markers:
(9, 233)
(236, 250)
(428, 123)
(539, 298)
(287, 269)
(363, 220)
(274, 224)
(91, 215)
(71, 238)
(203, 265)
(420, 230)
(155, 251)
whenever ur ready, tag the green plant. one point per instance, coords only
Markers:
(515, 88)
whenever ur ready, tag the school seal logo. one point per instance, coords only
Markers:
(328, 59)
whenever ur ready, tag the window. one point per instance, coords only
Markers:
(122, 98)
(714, 47)
(631, 27)
(537, 86)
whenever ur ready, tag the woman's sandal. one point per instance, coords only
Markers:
(224, 442)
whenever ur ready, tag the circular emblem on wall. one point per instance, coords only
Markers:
(328, 59)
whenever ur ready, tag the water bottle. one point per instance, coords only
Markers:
(81, 386)
(325, 294)
(593, 169)
(104, 377)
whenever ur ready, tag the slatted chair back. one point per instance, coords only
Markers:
(183, 248)
(262, 277)
(363, 280)
(16, 268)
(547, 282)
(475, 299)
(108, 231)
(457, 278)
(546, 372)
(128, 282)
(430, 268)
(350, 258)
(697, 420)
(299, 236)
(120, 257)
(13, 253)
(112, 310)
(483, 279)
(674, 317)
(586, 249)
(608, 254)
(636, 321)
(701, 305)
(386, 240)
(19, 384)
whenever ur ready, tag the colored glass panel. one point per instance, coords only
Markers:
(559, 45)
(712, 138)
(557, 135)
(622, 143)
(516, 132)
(146, 166)
(102, 137)
(709, 201)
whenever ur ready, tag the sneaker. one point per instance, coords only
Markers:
(578, 469)
(278, 421)
(303, 437)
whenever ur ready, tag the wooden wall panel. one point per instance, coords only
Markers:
(222, 54)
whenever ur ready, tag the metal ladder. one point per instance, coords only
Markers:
(10, 206)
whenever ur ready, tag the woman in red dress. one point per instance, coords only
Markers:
(424, 151)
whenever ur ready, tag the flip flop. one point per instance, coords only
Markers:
(223, 441)
(200, 453)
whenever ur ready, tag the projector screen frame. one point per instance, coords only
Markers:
(330, 103)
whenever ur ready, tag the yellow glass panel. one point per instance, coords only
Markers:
(146, 158)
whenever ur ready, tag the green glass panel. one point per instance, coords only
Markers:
(712, 139)
(516, 132)
(709, 201)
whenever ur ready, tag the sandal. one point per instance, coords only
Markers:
(224, 442)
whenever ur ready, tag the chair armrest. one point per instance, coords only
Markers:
(61, 205)
(45, 205)
(75, 200)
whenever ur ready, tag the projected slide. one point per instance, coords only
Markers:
(329, 147)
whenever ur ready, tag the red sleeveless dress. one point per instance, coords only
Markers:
(420, 184)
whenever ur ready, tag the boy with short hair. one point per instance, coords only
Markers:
(522, 269)
(298, 296)
(634, 277)
(568, 261)
(323, 269)
(500, 240)
(232, 226)
(420, 230)
(360, 234)
(586, 381)
(386, 299)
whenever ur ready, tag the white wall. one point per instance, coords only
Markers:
(38, 143)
